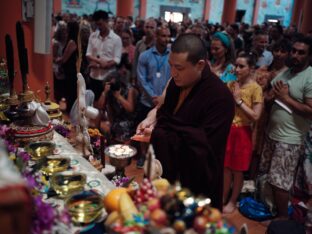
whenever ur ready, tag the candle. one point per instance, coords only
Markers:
(22, 53)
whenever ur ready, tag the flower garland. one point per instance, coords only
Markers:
(44, 216)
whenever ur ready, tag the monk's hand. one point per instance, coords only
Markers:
(156, 100)
(145, 127)
(281, 90)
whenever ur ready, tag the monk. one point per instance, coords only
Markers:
(189, 130)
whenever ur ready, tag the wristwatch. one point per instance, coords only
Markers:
(239, 103)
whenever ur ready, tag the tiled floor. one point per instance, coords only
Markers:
(236, 218)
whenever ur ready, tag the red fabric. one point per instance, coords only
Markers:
(238, 148)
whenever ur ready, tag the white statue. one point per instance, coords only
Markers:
(84, 112)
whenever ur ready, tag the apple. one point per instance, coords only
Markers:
(179, 226)
(153, 204)
(200, 224)
(159, 217)
(214, 216)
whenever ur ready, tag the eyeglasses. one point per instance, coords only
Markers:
(300, 52)
(149, 27)
(125, 38)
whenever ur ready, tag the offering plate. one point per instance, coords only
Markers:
(24, 134)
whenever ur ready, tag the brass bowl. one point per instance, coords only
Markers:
(119, 158)
(66, 183)
(84, 207)
(54, 165)
(3, 107)
(41, 149)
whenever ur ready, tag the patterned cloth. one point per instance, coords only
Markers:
(280, 160)
(302, 189)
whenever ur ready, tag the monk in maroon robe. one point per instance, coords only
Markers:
(193, 123)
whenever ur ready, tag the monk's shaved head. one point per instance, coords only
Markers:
(192, 45)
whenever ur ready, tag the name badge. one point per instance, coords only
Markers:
(158, 75)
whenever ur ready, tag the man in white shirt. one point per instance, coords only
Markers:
(103, 52)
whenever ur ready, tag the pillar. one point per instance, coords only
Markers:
(125, 8)
(296, 12)
(229, 11)
(39, 66)
(307, 17)
(57, 6)
(255, 11)
(206, 9)
(142, 11)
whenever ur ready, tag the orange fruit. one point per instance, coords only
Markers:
(111, 200)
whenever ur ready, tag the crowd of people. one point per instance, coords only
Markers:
(217, 100)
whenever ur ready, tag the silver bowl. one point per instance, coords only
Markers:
(120, 155)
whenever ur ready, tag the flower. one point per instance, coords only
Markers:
(44, 216)
(24, 156)
(94, 132)
(61, 129)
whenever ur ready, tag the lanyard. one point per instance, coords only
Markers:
(161, 61)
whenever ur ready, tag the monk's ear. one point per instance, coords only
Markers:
(201, 64)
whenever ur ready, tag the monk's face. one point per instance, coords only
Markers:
(184, 73)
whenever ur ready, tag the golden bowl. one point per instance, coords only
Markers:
(84, 207)
(66, 183)
(41, 149)
(3, 106)
(54, 165)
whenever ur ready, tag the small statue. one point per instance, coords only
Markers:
(47, 91)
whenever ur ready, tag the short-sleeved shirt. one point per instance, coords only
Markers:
(251, 94)
(150, 63)
(108, 48)
(285, 127)
(265, 59)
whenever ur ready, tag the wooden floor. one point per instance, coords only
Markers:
(236, 218)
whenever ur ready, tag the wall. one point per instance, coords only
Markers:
(197, 7)
(81, 7)
(216, 9)
(276, 7)
(246, 5)
(267, 7)
(40, 66)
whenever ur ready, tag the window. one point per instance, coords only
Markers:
(176, 17)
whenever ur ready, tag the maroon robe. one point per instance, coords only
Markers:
(191, 143)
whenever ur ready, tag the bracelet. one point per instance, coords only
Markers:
(240, 102)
